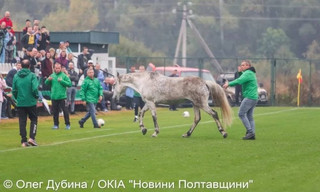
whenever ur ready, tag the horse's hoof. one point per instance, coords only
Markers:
(225, 135)
(185, 135)
(144, 131)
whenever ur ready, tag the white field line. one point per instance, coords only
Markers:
(275, 112)
(124, 133)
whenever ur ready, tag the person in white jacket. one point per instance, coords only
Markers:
(3, 85)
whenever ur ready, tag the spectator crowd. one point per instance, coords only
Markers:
(42, 56)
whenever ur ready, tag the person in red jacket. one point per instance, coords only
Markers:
(7, 20)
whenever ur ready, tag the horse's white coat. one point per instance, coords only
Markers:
(155, 88)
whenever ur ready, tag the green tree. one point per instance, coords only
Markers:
(313, 51)
(271, 41)
(128, 47)
(78, 16)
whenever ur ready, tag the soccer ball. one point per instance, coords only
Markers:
(100, 122)
(186, 114)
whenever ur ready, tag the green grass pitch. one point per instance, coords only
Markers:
(284, 157)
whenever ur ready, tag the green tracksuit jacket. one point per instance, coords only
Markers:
(91, 90)
(59, 88)
(248, 82)
(25, 88)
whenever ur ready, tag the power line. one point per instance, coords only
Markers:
(270, 18)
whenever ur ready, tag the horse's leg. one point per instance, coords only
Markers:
(152, 107)
(214, 115)
(197, 118)
(141, 115)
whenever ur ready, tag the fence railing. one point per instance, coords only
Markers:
(278, 76)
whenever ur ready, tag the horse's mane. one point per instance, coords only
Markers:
(154, 75)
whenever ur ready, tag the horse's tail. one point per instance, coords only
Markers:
(220, 98)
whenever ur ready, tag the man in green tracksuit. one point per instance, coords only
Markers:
(91, 92)
(59, 82)
(249, 84)
(25, 91)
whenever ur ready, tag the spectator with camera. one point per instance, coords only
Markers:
(45, 38)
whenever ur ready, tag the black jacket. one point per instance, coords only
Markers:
(83, 61)
(73, 77)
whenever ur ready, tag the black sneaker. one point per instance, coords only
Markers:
(32, 142)
(97, 126)
(249, 136)
(81, 124)
(25, 144)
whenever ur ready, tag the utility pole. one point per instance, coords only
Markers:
(186, 13)
(182, 34)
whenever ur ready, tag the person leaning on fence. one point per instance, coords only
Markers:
(71, 92)
(91, 93)
(59, 82)
(25, 91)
(249, 84)
(3, 85)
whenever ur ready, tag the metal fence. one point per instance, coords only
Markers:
(277, 76)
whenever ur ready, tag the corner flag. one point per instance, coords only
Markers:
(299, 77)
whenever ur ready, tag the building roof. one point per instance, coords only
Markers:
(90, 37)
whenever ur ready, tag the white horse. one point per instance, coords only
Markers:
(155, 87)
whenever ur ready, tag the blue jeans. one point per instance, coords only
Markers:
(246, 114)
(71, 95)
(91, 108)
